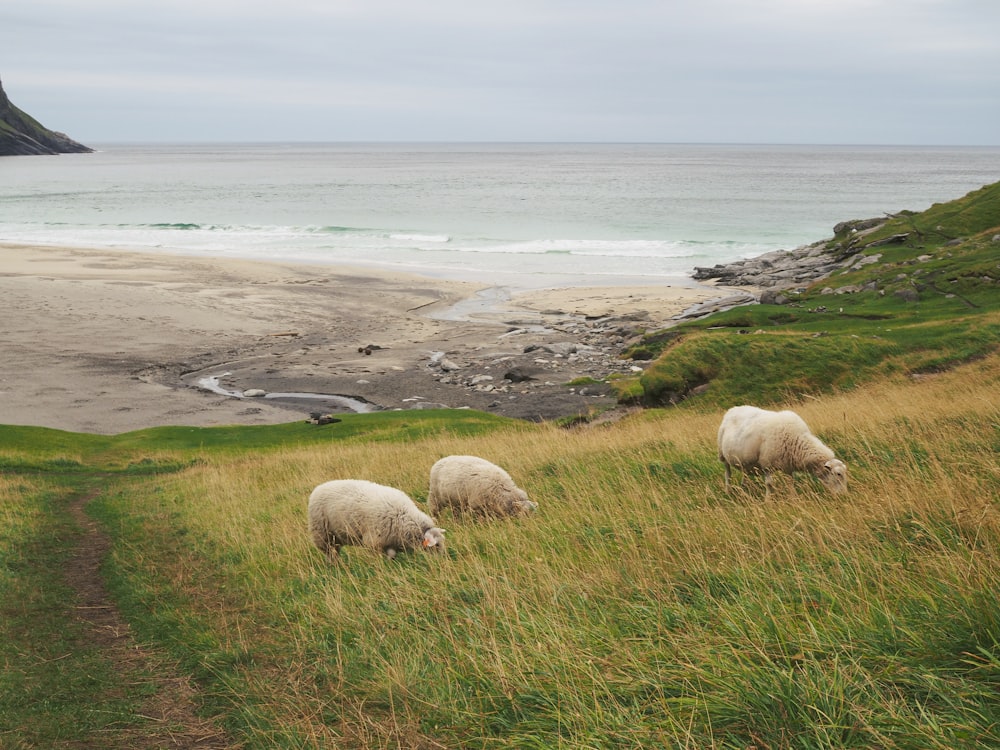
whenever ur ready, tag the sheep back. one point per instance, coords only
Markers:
(359, 512)
(754, 439)
(750, 437)
(469, 484)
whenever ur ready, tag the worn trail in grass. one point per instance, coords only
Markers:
(74, 676)
(169, 715)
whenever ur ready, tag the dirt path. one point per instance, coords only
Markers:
(172, 721)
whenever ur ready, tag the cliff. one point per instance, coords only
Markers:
(22, 135)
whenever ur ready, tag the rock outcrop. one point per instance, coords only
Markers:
(22, 135)
(790, 269)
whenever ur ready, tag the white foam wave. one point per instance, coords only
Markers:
(606, 248)
(438, 254)
(410, 237)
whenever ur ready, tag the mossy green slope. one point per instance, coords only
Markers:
(927, 298)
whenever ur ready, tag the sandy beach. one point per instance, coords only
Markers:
(109, 341)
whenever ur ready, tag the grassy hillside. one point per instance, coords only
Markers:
(925, 297)
(641, 607)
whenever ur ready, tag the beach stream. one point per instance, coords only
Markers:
(213, 383)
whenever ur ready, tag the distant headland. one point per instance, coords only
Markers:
(22, 135)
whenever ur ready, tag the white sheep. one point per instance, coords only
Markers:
(356, 511)
(468, 484)
(758, 440)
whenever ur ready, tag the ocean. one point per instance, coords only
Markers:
(519, 215)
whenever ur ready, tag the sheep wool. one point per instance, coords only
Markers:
(468, 484)
(359, 512)
(759, 440)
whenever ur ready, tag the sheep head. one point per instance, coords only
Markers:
(521, 504)
(833, 475)
(434, 539)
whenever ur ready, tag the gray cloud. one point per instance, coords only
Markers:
(788, 71)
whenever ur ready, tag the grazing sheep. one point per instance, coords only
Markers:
(355, 511)
(474, 485)
(758, 440)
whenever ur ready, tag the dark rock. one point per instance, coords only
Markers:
(319, 418)
(907, 295)
(560, 348)
(772, 297)
(788, 269)
(896, 239)
(858, 225)
(521, 374)
(703, 272)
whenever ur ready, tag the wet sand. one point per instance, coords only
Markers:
(110, 341)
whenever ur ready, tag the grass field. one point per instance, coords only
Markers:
(641, 607)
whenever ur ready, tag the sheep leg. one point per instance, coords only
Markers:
(767, 484)
(728, 478)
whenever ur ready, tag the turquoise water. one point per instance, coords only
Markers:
(524, 215)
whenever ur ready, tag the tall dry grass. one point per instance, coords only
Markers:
(642, 606)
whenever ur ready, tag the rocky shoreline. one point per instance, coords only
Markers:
(545, 366)
(525, 364)
(521, 363)
(783, 270)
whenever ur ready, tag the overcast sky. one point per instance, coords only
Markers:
(719, 71)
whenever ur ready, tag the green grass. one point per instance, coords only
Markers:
(55, 687)
(822, 342)
(641, 607)
(388, 425)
